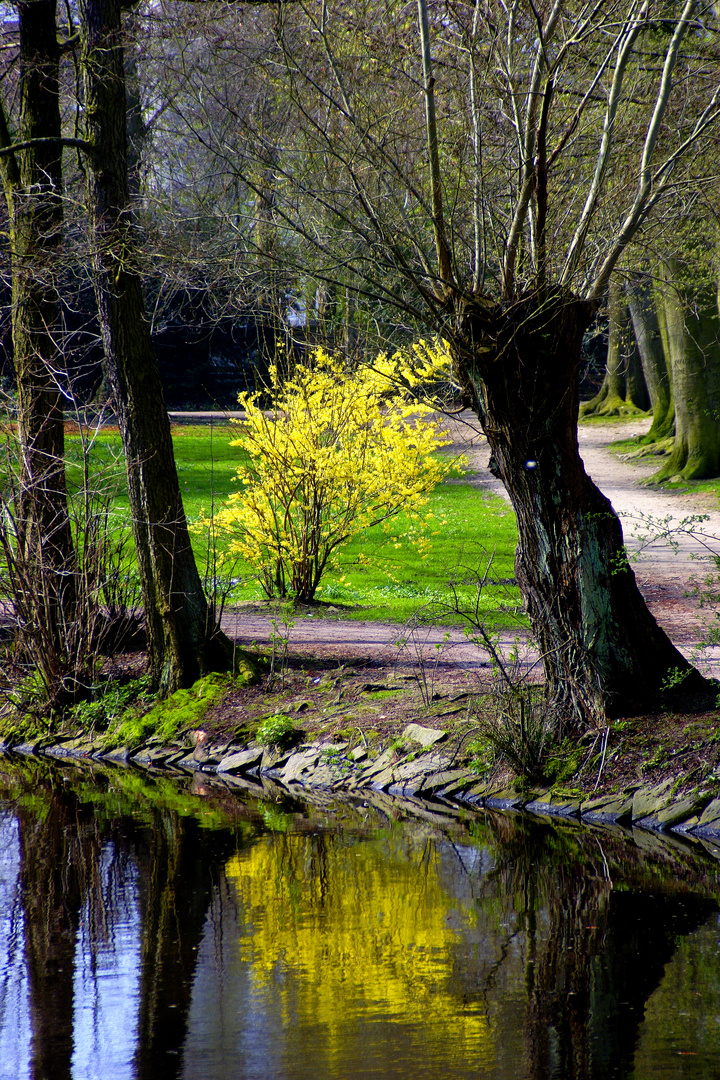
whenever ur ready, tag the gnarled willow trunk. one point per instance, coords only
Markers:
(602, 651)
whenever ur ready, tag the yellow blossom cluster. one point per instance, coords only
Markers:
(342, 450)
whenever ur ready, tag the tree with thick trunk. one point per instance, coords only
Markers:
(603, 652)
(693, 341)
(183, 636)
(488, 186)
(31, 169)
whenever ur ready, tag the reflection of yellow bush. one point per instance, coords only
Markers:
(346, 935)
(343, 450)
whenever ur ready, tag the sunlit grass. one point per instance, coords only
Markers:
(380, 575)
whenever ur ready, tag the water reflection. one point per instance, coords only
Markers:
(148, 930)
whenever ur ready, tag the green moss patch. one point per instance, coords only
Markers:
(182, 711)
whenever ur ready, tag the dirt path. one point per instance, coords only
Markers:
(664, 568)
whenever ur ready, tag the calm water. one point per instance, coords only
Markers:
(174, 929)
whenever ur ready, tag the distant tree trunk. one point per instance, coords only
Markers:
(693, 333)
(624, 382)
(644, 314)
(636, 390)
(602, 651)
(184, 639)
(32, 180)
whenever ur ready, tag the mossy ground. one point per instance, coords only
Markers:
(365, 704)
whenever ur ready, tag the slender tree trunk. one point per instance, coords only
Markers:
(184, 640)
(693, 333)
(648, 335)
(32, 180)
(603, 652)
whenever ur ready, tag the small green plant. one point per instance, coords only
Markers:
(483, 756)
(675, 678)
(523, 730)
(110, 702)
(278, 730)
(281, 625)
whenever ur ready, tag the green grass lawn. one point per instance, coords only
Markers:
(469, 526)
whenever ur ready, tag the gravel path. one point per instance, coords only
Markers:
(664, 568)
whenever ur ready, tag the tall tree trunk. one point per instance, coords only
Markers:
(693, 332)
(644, 314)
(624, 383)
(184, 639)
(32, 180)
(602, 651)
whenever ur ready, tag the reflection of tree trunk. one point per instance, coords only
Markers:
(691, 315)
(184, 641)
(602, 649)
(648, 335)
(178, 892)
(603, 957)
(55, 859)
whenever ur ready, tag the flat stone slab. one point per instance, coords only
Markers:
(507, 799)
(326, 776)
(477, 791)
(444, 780)
(424, 735)
(298, 764)
(379, 765)
(80, 747)
(710, 814)
(554, 807)
(240, 761)
(648, 802)
(272, 758)
(608, 809)
(678, 812)
(382, 780)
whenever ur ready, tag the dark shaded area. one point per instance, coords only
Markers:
(205, 361)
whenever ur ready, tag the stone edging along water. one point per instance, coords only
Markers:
(424, 773)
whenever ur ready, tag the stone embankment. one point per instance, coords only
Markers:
(413, 768)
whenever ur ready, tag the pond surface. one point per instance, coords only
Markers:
(172, 928)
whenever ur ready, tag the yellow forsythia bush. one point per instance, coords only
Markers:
(342, 450)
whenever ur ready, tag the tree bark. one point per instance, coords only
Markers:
(648, 335)
(183, 637)
(32, 181)
(624, 383)
(693, 333)
(602, 650)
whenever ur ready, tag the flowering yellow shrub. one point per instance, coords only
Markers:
(341, 451)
